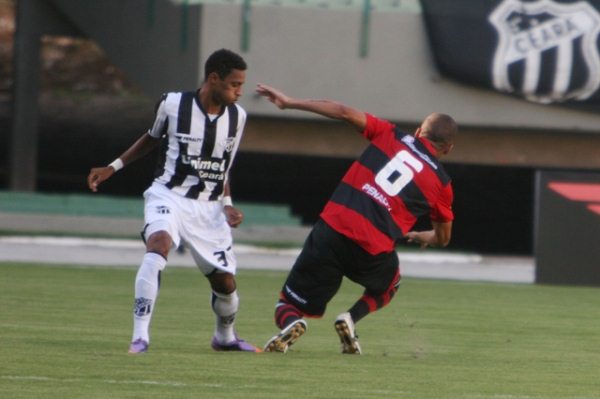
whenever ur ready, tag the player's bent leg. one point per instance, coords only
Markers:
(372, 301)
(225, 307)
(369, 302)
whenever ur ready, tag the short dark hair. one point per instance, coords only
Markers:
(223, 62)
(439, 128)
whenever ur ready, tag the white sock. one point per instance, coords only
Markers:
(225, 307)
(146, 292)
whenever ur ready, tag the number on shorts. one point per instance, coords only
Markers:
(398, 172)
(221, 258)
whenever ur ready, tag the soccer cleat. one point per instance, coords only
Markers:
(238, 345)
(138, 346)
(282, 341)
(344, 326)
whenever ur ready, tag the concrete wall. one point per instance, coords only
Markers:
(315, 53)
(307, 52)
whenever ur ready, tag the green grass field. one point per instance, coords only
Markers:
(64, 333)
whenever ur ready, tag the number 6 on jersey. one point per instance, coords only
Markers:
(398, 172)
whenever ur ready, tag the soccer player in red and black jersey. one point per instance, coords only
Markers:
(396, 180)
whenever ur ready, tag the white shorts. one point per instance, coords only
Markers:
(201, 225)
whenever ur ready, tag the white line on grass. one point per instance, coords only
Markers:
(112, 381)
(116, 382)
(79, 380)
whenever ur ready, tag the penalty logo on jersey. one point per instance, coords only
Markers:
(546, 51)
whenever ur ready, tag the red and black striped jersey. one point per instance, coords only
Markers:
(396, 180)
(198, 149)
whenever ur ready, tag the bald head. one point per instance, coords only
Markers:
(440, 129)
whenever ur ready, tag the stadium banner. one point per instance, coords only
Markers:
(567, 228)
(545, 51)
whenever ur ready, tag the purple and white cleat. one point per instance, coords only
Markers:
(138, 346)
(238, 345)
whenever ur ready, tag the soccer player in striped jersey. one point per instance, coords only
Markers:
(198, 134)
(396, 180)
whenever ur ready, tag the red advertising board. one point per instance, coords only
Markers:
(567, 228)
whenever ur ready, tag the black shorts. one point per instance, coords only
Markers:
(328, 256)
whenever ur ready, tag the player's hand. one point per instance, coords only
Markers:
(417, 237)
(275, 96)
(98, 175)
(234, 216)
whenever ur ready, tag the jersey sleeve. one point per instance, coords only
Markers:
(160, 120)
(376, 127)
(442, 210)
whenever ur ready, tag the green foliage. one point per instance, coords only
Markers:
(64, 333)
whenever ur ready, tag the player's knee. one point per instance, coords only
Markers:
(313, 309)
(160, 243)
(223, 283)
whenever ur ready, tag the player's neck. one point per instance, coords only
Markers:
(209, 104)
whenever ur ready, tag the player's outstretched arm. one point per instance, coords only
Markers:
(141, 147)
(328, 108)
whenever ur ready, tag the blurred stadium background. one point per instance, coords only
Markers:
(78, 82)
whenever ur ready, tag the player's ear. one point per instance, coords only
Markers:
(213, 77)
(447, 148)
(418, 132)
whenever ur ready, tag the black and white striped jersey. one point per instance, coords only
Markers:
(197, 149)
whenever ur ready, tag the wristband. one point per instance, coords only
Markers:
(227, 201)
(117, 164)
